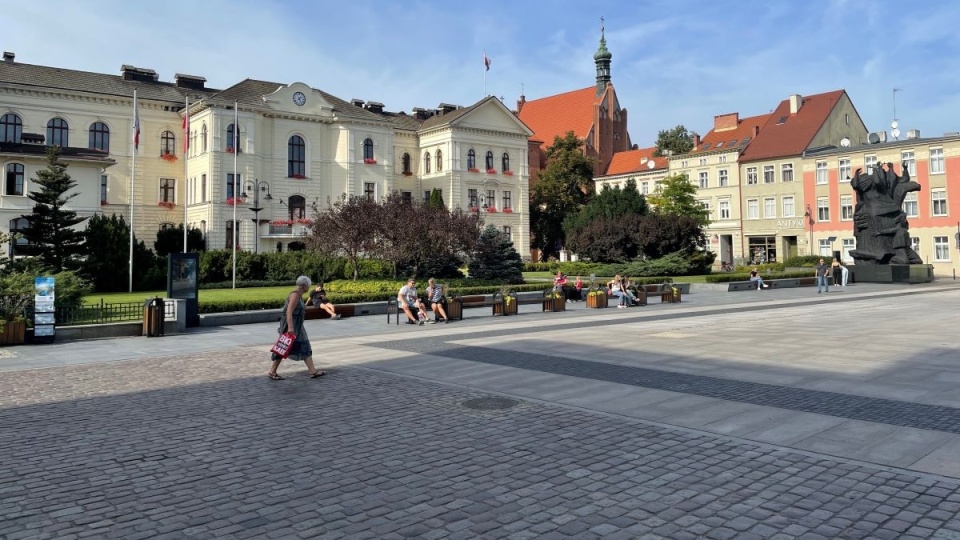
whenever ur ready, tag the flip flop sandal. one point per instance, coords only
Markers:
(274, 377)
(318, 374)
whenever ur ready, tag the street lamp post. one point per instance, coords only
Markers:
(810, 221)
(256, 186)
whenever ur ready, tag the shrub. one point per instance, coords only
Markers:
(726, 278)
(805, 260)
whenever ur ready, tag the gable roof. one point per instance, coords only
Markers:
(451, 117)
(250, 92)
(741, 136)
(635, 161)
(30, 75)
(786, 134)
(554, 116)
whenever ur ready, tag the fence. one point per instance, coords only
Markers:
(105, 312)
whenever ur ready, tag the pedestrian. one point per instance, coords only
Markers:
(822, 274)
(435, 296)
(835, 270)
(578, 288)
(294, 313)
(410, 303)
(845, 273)
(319, 299)
(755, 276)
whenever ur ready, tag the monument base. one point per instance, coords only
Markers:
(891, 273)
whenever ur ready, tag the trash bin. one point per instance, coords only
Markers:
(153, 317)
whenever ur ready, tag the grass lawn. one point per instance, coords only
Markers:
(208, 295)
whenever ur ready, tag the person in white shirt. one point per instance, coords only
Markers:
(409, 301)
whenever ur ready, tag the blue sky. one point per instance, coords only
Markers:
(674, 62)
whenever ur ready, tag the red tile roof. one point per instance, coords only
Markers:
(554, 116)
(732, 138)
(635, 161)
(794, 134)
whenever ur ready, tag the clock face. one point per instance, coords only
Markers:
(299, 98)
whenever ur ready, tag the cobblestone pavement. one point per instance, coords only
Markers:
(206, 447)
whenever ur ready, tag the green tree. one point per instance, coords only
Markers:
(170, 240)
(348, 227)
(106, 261)
(673, 141)
(562, 187)
(494, 258)
(607, 239)
(611, 203)
(660, 234)
(51, 232)
(676, 195)
(436, 199)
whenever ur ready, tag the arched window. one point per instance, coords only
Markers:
(298, 207)
(168, 144)
(203, 138)
(296, 157)
(426, 163)
(58, 132)
(230, 142)
(367, 148)
(489, 160)
(17, 227)
(11, 128)
(13, 184)
(406, 163)
(471, 159)
(99, 136)
(439, 161)
(193, 142)
(505, 162)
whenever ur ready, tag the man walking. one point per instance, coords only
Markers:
(821, 272)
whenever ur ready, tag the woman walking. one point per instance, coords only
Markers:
(292, 321)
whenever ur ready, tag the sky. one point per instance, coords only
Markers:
(674, 61)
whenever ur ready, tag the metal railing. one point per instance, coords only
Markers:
(105, 312)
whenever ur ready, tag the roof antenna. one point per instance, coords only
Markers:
(895, 124)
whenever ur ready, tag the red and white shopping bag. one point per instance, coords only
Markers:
(282, 347)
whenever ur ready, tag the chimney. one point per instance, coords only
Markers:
(724, 122)
(756, 131)
(445, 108)
(696, 140)
(192, 82)
(357, 102)
(421, 114)
(913, 133)
(796, 101)
(374, 107)
(9, 57)
(133, 73)
(521, 102)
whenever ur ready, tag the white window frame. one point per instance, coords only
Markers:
(911, 205)
(752, 177)
(826, 250)
(784, 169)
(724, 177)
(703, 178)
(706, 206)
(789, 210)
(722, 159)
(936, 161)
(869, 163)
(703, 161)
(846, 208)
(769, 207)
(771, 177)
(941, 248)
(938, 197)
(847, 245)
(823, 209)
(724, 209)
(910, 158)
(753, 208)
(843, 170)
(822, 176)
(644, 188)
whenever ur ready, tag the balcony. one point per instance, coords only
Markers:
(288, 231)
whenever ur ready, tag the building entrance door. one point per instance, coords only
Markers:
(790, 248)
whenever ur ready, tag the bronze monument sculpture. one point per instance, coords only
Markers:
(880, 224)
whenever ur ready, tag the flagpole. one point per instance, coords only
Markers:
(485, 70)
(236, 150)
(133, 173)
(186, 148)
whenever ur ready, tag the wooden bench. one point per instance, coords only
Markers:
(314, 312)
(782, 283)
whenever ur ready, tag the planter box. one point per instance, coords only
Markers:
(670, 298)
(555, 304)
(505, 308)
(598, 301)
(455, 309)
(13, 333)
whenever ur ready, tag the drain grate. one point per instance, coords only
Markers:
(490, 403)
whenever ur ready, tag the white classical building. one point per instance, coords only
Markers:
(298, 148)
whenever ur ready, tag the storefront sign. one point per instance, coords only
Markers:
(790, 224)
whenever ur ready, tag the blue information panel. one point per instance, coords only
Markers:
(44, 312)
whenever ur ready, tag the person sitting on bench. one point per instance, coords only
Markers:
(755, 276)
(319, 299)
(408, 300)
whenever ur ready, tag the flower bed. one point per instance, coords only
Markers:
(473, 170)
(298, 176)
(508, 173)
(234, 201)
(166, 204)
(508, 210)
(491, 171)
(168, 157)
(369, 161)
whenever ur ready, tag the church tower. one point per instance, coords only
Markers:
(602, 59)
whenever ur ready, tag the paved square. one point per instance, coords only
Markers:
(745, 419)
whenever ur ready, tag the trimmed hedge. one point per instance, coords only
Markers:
(356, 297)
(726, 278)
(806, 260)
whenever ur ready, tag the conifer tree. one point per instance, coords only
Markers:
(495, 258)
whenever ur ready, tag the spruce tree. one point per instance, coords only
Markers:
(51, 232)
(495, 258)
(436, 199)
